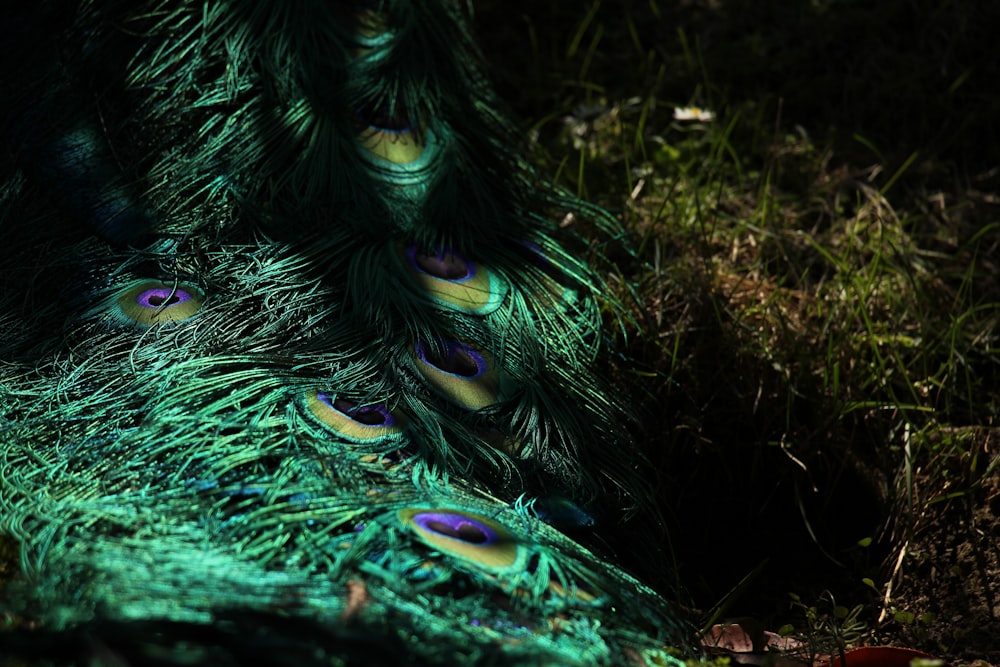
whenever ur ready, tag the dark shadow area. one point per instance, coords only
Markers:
(902, 75)
(757, 481)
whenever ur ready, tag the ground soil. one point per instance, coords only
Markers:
(947, 585)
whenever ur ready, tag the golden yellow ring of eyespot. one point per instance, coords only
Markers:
(395, 146)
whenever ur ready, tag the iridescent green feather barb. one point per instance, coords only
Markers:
(289, 331)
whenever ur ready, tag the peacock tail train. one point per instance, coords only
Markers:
(294, 347)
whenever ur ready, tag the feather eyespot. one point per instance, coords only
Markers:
(460, 372)
(153, 302)
(443, 264)
(454, 358)
(453, 281)
(352, 421)
(390, 135)
(464, 534)
(368, 415)
(401, 148)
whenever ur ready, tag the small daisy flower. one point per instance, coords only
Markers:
(693, 113)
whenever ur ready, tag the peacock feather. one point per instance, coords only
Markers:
(295, 354)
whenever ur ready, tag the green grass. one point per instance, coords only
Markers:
(819, 297)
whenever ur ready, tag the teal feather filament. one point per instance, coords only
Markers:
(152, 302)
(340, 174)
(573, 592)
(504, 442)
(552, 294)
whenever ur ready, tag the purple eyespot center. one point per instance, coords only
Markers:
(162, 297)
(443, 264)
(366, 415)
(457, 527)
(453, 357)
(383, 119)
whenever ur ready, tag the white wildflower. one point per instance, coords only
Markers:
(693, 113)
